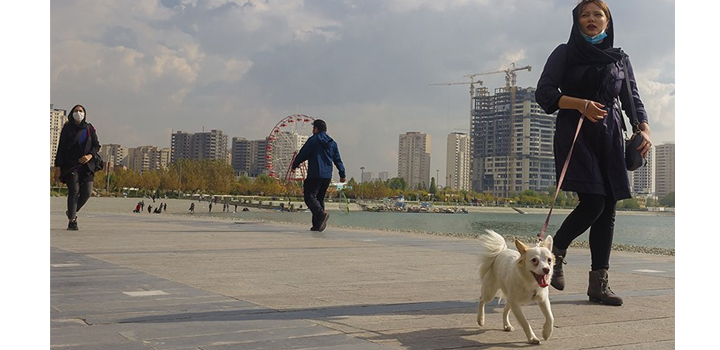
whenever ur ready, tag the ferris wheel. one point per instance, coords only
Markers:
(283, 144)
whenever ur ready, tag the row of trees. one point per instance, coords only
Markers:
(214, 177)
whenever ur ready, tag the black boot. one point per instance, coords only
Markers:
(599, 291)
(72, 225)
(558, 277)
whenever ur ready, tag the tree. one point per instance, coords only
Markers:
(668, 200)
(433, 187)
(396, 183)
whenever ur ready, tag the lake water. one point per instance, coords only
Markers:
(652, 230)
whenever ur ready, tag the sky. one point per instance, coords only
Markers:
(144, 69)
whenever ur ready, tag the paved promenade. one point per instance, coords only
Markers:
(141, 281)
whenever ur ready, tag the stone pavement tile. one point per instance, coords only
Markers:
(107, 346)
(92, 337)
(335, 341)
(241, 338)
(191, 328)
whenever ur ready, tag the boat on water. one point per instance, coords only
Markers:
(399, 205)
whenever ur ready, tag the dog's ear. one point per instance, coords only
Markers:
(522, 248)
(548, 242)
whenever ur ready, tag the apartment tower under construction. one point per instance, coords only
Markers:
(512, 142)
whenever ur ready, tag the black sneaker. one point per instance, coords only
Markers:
(313, 229)
(72, 226)
(325, 218)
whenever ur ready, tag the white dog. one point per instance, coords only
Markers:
(522, 277)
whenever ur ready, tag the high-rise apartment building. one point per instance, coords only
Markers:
(248, 156)
(57, 120)
(664, 169)
(512, 143)
(115, 155)
(414, 159)
(459, 157)
(240, 155)
(641, 180)
(258, 154)
(199, 146)
(148, 158)
(384, 176)
(367, 176)
(181, 146)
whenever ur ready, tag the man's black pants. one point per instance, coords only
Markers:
(314, 192)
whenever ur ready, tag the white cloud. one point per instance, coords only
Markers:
(365, 66)
(659, 101)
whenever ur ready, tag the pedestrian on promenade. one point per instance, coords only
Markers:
(149, 208)
(210, 208)
(321, 152)
(583, 78)
(76, 161)
(192, 208)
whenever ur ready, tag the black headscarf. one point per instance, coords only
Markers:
(79, 129)
(83, 122)
(581, 52)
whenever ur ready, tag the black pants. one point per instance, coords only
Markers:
(314, 192)
(596, 212)
(80, 186)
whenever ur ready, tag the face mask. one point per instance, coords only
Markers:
(595, 39)
(78, 116)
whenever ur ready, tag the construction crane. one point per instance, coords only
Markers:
(510, 75)
(472, 83)
(510, 80)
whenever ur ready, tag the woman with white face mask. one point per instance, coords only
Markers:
(75, 161)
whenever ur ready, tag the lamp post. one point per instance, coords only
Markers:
(362, 175)
(107, 167)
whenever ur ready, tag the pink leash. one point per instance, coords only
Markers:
(541, 235)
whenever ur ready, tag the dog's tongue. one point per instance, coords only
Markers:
(541, 280)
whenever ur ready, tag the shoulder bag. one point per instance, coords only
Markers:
(633, 158)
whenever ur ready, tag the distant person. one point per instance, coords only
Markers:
(582, 79)
(210, 208)
(149, 208)
(164, 206)
(76, 161)
(137, 208)
(192, 208)
(321, 152)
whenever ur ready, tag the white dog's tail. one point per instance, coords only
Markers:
(491, 245)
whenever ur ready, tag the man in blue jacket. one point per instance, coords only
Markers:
(320, 151)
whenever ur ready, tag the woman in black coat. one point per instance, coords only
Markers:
(76, 161)
(584, 78)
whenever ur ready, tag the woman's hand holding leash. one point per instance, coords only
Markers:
(594, 111)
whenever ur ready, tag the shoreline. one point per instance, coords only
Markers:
(179, 207)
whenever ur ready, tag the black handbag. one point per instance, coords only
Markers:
(633, 158)
(99, 163)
